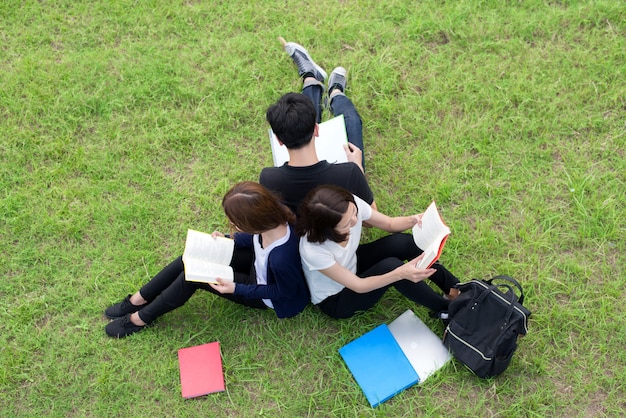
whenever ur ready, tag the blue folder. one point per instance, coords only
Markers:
(378, 365)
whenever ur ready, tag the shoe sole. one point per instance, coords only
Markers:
(303, 50)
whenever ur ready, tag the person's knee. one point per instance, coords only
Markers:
(401, 239)
(388, 264)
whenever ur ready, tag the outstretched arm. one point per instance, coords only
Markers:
(366, 284)
(395, 224)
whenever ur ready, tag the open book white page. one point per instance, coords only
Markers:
(206, 258)
(328, 145)
(431, 236)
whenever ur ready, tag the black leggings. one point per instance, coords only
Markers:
(169, 290)
(380, 257)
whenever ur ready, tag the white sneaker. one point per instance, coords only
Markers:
(338, 78)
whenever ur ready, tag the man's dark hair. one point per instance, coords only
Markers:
(293, 118)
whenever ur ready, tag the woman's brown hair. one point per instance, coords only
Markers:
(320, 212)
(252, 208)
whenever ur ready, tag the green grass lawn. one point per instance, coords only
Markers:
(122, 124)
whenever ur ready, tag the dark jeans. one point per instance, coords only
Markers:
(169, 290)
(380, 257)
(339, 105)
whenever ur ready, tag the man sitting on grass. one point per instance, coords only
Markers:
(294, 120)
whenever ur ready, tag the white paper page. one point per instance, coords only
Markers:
(280, 155)
(430, 234)
(203, 271)
(204, 254)
(332, 137)
(429, 256)
(203, 246)
(328, 145)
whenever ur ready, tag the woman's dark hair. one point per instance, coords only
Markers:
(254, 209)
(320, 212)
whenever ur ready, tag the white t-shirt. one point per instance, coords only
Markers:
(316, 256)
(260, 259)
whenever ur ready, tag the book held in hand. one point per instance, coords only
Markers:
(431, 236)
(207, 258)
(328, 145)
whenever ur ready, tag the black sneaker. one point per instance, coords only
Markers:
(303, 61)
(337, 80)
(122, 327)
(122, 308)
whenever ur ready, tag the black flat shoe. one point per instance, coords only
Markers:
(122, 308)
(122, 327)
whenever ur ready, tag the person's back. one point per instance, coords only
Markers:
(293, 183)
(293, 120)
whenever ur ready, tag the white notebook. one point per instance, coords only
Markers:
(420, 345)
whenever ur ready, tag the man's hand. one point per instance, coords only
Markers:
(355, 155)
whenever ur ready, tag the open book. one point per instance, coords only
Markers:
(329, 143)
(431, 236)
(207, 258)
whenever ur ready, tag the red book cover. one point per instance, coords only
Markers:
(431, 236)
(201, 370)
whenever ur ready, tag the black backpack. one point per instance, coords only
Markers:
(485, 322)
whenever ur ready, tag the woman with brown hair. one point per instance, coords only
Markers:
(266, 264)
(344, 276)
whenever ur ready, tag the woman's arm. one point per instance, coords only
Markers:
(287, 278)
(243, 239)
(284, 276)
(366, 284)
(396, 224)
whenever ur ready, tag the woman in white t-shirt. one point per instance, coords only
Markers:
(345, 277)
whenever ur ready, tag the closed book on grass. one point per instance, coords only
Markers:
(201, 370)
(420, 344)
(378, 365)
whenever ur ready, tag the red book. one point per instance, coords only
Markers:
(201, 370)
(431, 236)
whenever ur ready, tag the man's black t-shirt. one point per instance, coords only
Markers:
(293, 183)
